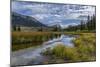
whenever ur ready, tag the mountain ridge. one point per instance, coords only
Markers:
(22, 20)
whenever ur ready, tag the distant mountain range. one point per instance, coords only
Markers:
(28, 21)
(65, 23)
(22, 20)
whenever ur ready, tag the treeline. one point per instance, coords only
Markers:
(16, 28)
(89, 25)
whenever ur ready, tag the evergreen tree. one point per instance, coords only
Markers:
(14, 28)
(19, 28)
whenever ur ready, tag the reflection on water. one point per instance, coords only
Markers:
(23, 41)
(54, 38)
(67, 40)
(49, 42)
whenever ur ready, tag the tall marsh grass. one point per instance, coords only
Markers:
(21, 40)
(84, 50)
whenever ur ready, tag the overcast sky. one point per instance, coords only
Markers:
(64, 14)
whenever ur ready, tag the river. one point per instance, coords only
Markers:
(33, 56)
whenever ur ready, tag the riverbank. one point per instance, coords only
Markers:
(84, 50)
(34, 56)
(23, 40)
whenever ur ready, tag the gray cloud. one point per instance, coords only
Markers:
(49, 13)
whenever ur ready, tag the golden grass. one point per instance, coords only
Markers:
(84, 50)
(20, 39)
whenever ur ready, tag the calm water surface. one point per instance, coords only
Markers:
(33, 56)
